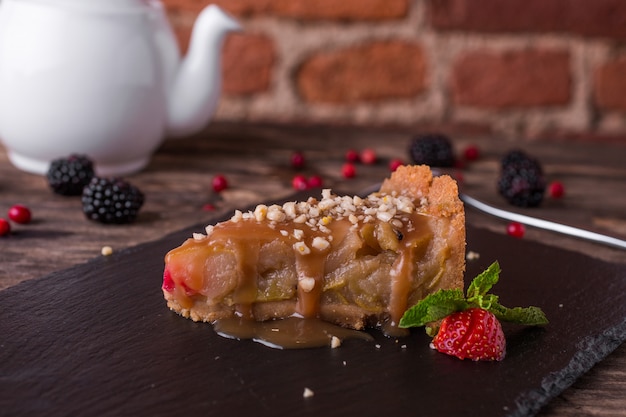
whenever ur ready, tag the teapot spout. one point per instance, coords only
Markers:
(197, 85)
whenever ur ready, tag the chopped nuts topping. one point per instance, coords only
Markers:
(319, 215)
(306, 284)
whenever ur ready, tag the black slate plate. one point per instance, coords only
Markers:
(97, 339)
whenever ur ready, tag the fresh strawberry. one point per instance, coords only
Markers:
(474, 334)
(470, 323)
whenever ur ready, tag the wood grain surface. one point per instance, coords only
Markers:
(255, 160)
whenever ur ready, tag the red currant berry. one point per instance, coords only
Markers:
(20, 214)
(299, 182)
(471, 153)
(368, 156)
(394, 164)
(5, 227)
(219, 183)
(556, 189)
(297, 160)
(348, 170)
(315, 181)
(352, 156)
(516, 229)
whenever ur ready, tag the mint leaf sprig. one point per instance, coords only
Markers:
(442, 303)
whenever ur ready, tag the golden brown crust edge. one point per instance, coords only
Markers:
(441, 193)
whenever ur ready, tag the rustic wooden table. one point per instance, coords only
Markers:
(255, 159)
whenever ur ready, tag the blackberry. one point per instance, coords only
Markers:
(111, 200)
(432, 149)
(521, 180)
(68, 176)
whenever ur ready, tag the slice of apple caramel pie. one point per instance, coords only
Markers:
(352, 261)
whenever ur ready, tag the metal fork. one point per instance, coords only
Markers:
(543, 224)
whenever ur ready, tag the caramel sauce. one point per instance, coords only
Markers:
(289, 333)
(310, 266)
(410, 251)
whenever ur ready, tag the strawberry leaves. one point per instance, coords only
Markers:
(438, 305)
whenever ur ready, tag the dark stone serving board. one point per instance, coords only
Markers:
(97, 339)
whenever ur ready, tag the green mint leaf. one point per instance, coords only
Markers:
(484, 301)
(434, 307)
(484, 281)
(529, 316)
(442, 303)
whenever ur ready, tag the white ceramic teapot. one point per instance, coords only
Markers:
(103, 78)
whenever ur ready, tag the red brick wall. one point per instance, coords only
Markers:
(527, 68)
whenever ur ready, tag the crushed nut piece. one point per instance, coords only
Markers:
(471, 255)
(384, 216)
(275, 213)
(307, 284)
(260, 212)
(290, 209)
(335, 342)
(237, 217)
(308, 393)
(320, 243)
(106, 251)
(301, 248)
